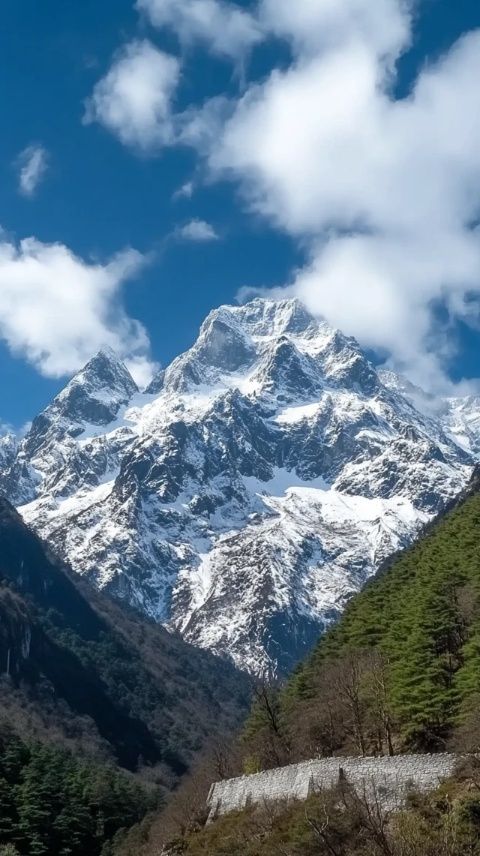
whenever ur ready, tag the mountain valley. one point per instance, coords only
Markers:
(78, 670)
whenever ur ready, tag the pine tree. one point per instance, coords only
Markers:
(8, 814)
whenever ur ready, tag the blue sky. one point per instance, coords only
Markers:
(100, 193)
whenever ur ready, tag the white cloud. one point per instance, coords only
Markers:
(224, 27)
(382, 192)
(186, 191)
(319, 25)
(198, 231)
(32, 164)
(134, 99)
(141, 368)
(57, 310)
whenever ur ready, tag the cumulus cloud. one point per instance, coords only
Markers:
(56, 309)
(134, 99)
(198, 231)
(383, 193)
(32, 164)
(225, 28)
(311, 26)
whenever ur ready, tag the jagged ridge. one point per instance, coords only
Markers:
(260, 481)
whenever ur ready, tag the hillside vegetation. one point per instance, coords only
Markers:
(401, 669)
(399, 672)
(53, 803)
(341, 823)
(78, 668)
(109, 690)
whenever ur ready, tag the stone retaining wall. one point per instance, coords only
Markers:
(389, 778)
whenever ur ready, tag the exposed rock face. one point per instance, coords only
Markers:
(15, 635)
(260, 481)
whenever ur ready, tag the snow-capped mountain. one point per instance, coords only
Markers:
(257, 484)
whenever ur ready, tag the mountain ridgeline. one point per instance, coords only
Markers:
(400, 671)
(256, 484)
(79, 670)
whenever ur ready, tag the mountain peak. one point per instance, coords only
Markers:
(107, 353)
(232, 339)
(106, 360)
(266, 481)
(96, 393)
(264, 316)
(274, 345)
(94, 396)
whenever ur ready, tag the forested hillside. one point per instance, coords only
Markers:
(399, 672)
(401, 669)
(80, 674)
(53, 803)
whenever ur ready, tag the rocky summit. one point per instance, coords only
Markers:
(257, 484)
